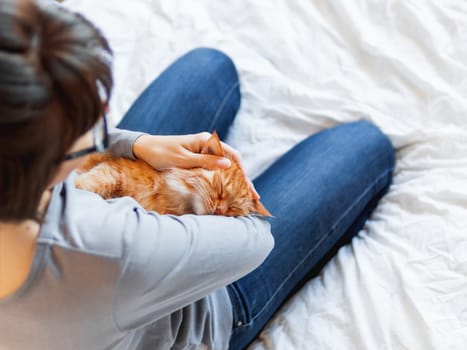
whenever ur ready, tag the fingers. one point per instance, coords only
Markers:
(208, 162)
(198, 141)
(233, 153)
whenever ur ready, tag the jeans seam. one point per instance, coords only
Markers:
(358, 200)
(238, 312)
(222, 104)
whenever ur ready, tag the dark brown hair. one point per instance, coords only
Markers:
(55, 81)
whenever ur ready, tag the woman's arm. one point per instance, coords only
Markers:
(174, 261)
(166, 151)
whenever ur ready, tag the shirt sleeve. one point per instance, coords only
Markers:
(174, 261)
(121, 142)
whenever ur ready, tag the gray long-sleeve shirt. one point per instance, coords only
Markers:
(110, 275)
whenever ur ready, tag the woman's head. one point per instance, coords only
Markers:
(55, 81)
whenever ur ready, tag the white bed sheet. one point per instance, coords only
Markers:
(307, 65)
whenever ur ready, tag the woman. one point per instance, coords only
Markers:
(79, 272)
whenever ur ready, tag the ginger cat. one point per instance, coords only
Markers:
(172, 191)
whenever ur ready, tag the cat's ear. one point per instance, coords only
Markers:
(260, 209)
(213, 146)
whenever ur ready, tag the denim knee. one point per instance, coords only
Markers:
(376, 141)
(217, 77)
(219, 63)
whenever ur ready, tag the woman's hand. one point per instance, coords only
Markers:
(184, 151)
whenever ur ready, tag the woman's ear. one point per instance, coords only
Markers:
(213, 146)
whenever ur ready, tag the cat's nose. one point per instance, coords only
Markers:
(218, 211)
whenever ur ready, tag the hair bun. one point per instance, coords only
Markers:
(50, 56)
(21, 82)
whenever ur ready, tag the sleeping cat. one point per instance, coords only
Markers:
(172, 191)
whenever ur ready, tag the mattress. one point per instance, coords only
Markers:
(307, 65)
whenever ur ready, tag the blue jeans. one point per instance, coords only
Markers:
(320, 192)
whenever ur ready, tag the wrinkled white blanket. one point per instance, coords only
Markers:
(309, 64)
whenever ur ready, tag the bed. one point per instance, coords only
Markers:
(306, 65)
